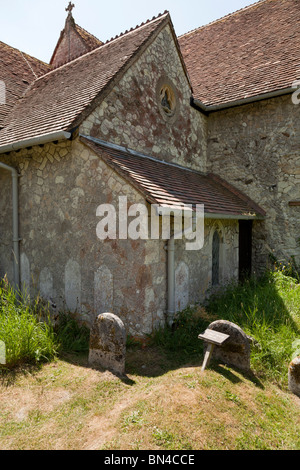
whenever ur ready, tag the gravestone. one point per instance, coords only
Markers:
(236, 350)
(294, 376)
(108, 344)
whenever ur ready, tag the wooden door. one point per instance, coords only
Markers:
(245, 249)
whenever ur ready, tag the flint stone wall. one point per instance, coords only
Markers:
(130, 115)
(61, 187)
(256, 148)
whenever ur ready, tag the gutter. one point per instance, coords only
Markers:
(195, 103)
(39, 140)
(234, 217)
(16, 239)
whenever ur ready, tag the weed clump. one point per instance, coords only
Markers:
(25, 329)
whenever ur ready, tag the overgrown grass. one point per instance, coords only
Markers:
(28, 334)
(267, 309)
(25, 331)
(72, 336)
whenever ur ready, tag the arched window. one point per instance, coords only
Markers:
(216, 259)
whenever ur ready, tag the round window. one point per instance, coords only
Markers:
(167, 100)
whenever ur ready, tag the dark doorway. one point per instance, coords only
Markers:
(245, 249)
(216, 259)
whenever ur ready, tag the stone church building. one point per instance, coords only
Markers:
(209, 118)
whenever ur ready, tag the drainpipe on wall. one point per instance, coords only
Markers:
(170, 248)
(171, 279)
(16, 239)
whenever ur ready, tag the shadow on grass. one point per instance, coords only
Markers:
(265, 309)
(81, 360)
(229, 374)
(8, 377)
(154, 362)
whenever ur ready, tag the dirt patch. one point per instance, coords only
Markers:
(21, 403)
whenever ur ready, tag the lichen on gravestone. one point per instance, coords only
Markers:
(236, 350)
(108, 344)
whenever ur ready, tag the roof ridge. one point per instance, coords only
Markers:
(223, 17)
(25, 54)
(28, 64)
(155, 18)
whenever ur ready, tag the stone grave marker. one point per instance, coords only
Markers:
(108, 344)
(294, 376)
(236, 349)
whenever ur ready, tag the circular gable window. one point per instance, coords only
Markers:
(167, 98)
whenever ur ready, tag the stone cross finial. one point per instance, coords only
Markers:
(70, 8)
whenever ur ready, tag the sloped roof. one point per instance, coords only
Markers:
(59, 100)
(89, 39)
(17, 70)
(247, 53)
(171, 185)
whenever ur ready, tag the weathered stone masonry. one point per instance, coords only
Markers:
(61, 187)
(130, 114)
(257, 148)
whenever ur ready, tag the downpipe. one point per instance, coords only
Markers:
(171, 280)
(16, 239)
(170, 248)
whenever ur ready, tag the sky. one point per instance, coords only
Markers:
(34, 26)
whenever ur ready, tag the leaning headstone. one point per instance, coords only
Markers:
(236, 350)
(294, 376)
(108, 344)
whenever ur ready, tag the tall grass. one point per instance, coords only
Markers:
(27, 335)
(72, 336)
(267, 309)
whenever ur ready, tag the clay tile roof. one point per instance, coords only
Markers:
(17, 70)
(245, 54)
(91, 41)
(171, 185)
(62, 98)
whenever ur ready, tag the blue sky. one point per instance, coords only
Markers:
(33, 26)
